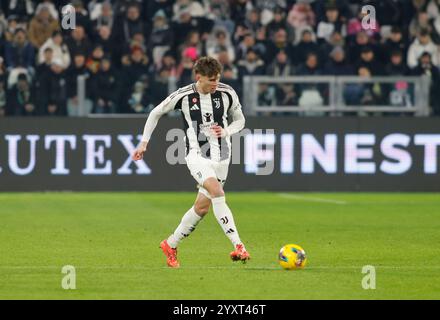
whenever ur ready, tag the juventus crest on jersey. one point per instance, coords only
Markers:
(200, 112)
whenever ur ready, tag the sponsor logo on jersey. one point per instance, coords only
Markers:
(195, 107)
(208, 116)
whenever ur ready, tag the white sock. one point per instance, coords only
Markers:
(224, 217)
(186, 226)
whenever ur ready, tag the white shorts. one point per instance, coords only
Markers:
(202, 169)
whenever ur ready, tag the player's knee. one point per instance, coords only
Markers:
(201, 209)
(217, 193)
(214, 188)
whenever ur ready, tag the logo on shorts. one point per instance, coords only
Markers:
(207, 117)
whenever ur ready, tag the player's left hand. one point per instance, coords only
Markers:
(218, 131)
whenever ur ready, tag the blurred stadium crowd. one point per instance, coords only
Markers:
(129, 49)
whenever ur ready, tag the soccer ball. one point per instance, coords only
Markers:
(292, 257)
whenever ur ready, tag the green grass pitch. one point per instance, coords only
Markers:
(112, 240)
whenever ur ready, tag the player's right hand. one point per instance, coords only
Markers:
(138, 154)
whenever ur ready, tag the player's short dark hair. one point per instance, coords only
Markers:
(207, 66)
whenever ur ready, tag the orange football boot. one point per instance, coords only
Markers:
(170, 253)
(240, 254)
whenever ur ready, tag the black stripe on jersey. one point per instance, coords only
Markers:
(218, 110)
(178, 105)
(180, 91)
(229, 98)
(195, 112)
(225, 86)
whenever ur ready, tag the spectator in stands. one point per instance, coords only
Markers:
(105, 88)
(268, 8)
(193, 40)
(50, 6)
(159, 85)
(343, 7)
(230, 77)
(78, 41)
(239, 9)
(335, 40)
(301, 17)
(363, 93)
(44, 66)
(218, 11)
(286, 95)
(311, 66)
(333, 23)
(390, 13)
(433, 9)
(396, 66)
(82, 16)
(226, 61)
(368, 59)
(306, 45)
(93, 62)
(138, 64)
(279, 22)
(220, 43)
(121, 6)
(23, 9)
(280, 42)
(42, 73)
(253, 22)
(21, 98)
(130, 24)
(105, 17)
(195, 7)
(267, 96)
(135, 66)
(281, 66)
(246, 43)
(152, 7)
(104, 39)
(253, 65)
(77, 69)
(54, 90)
(338, 64)
(362, 41)
(161, 38)
(421, 22)
(140, 100)
(137, 41)
(421, 44)
(12, 25)
(184, 70)
(310, 94)
(426, 67)
(42, 26)
(19, 53)
(396, 42)
(168, 62)
(59, 49)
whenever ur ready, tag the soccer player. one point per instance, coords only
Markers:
(205, 106)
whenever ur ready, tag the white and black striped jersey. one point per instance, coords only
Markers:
(201, 111)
